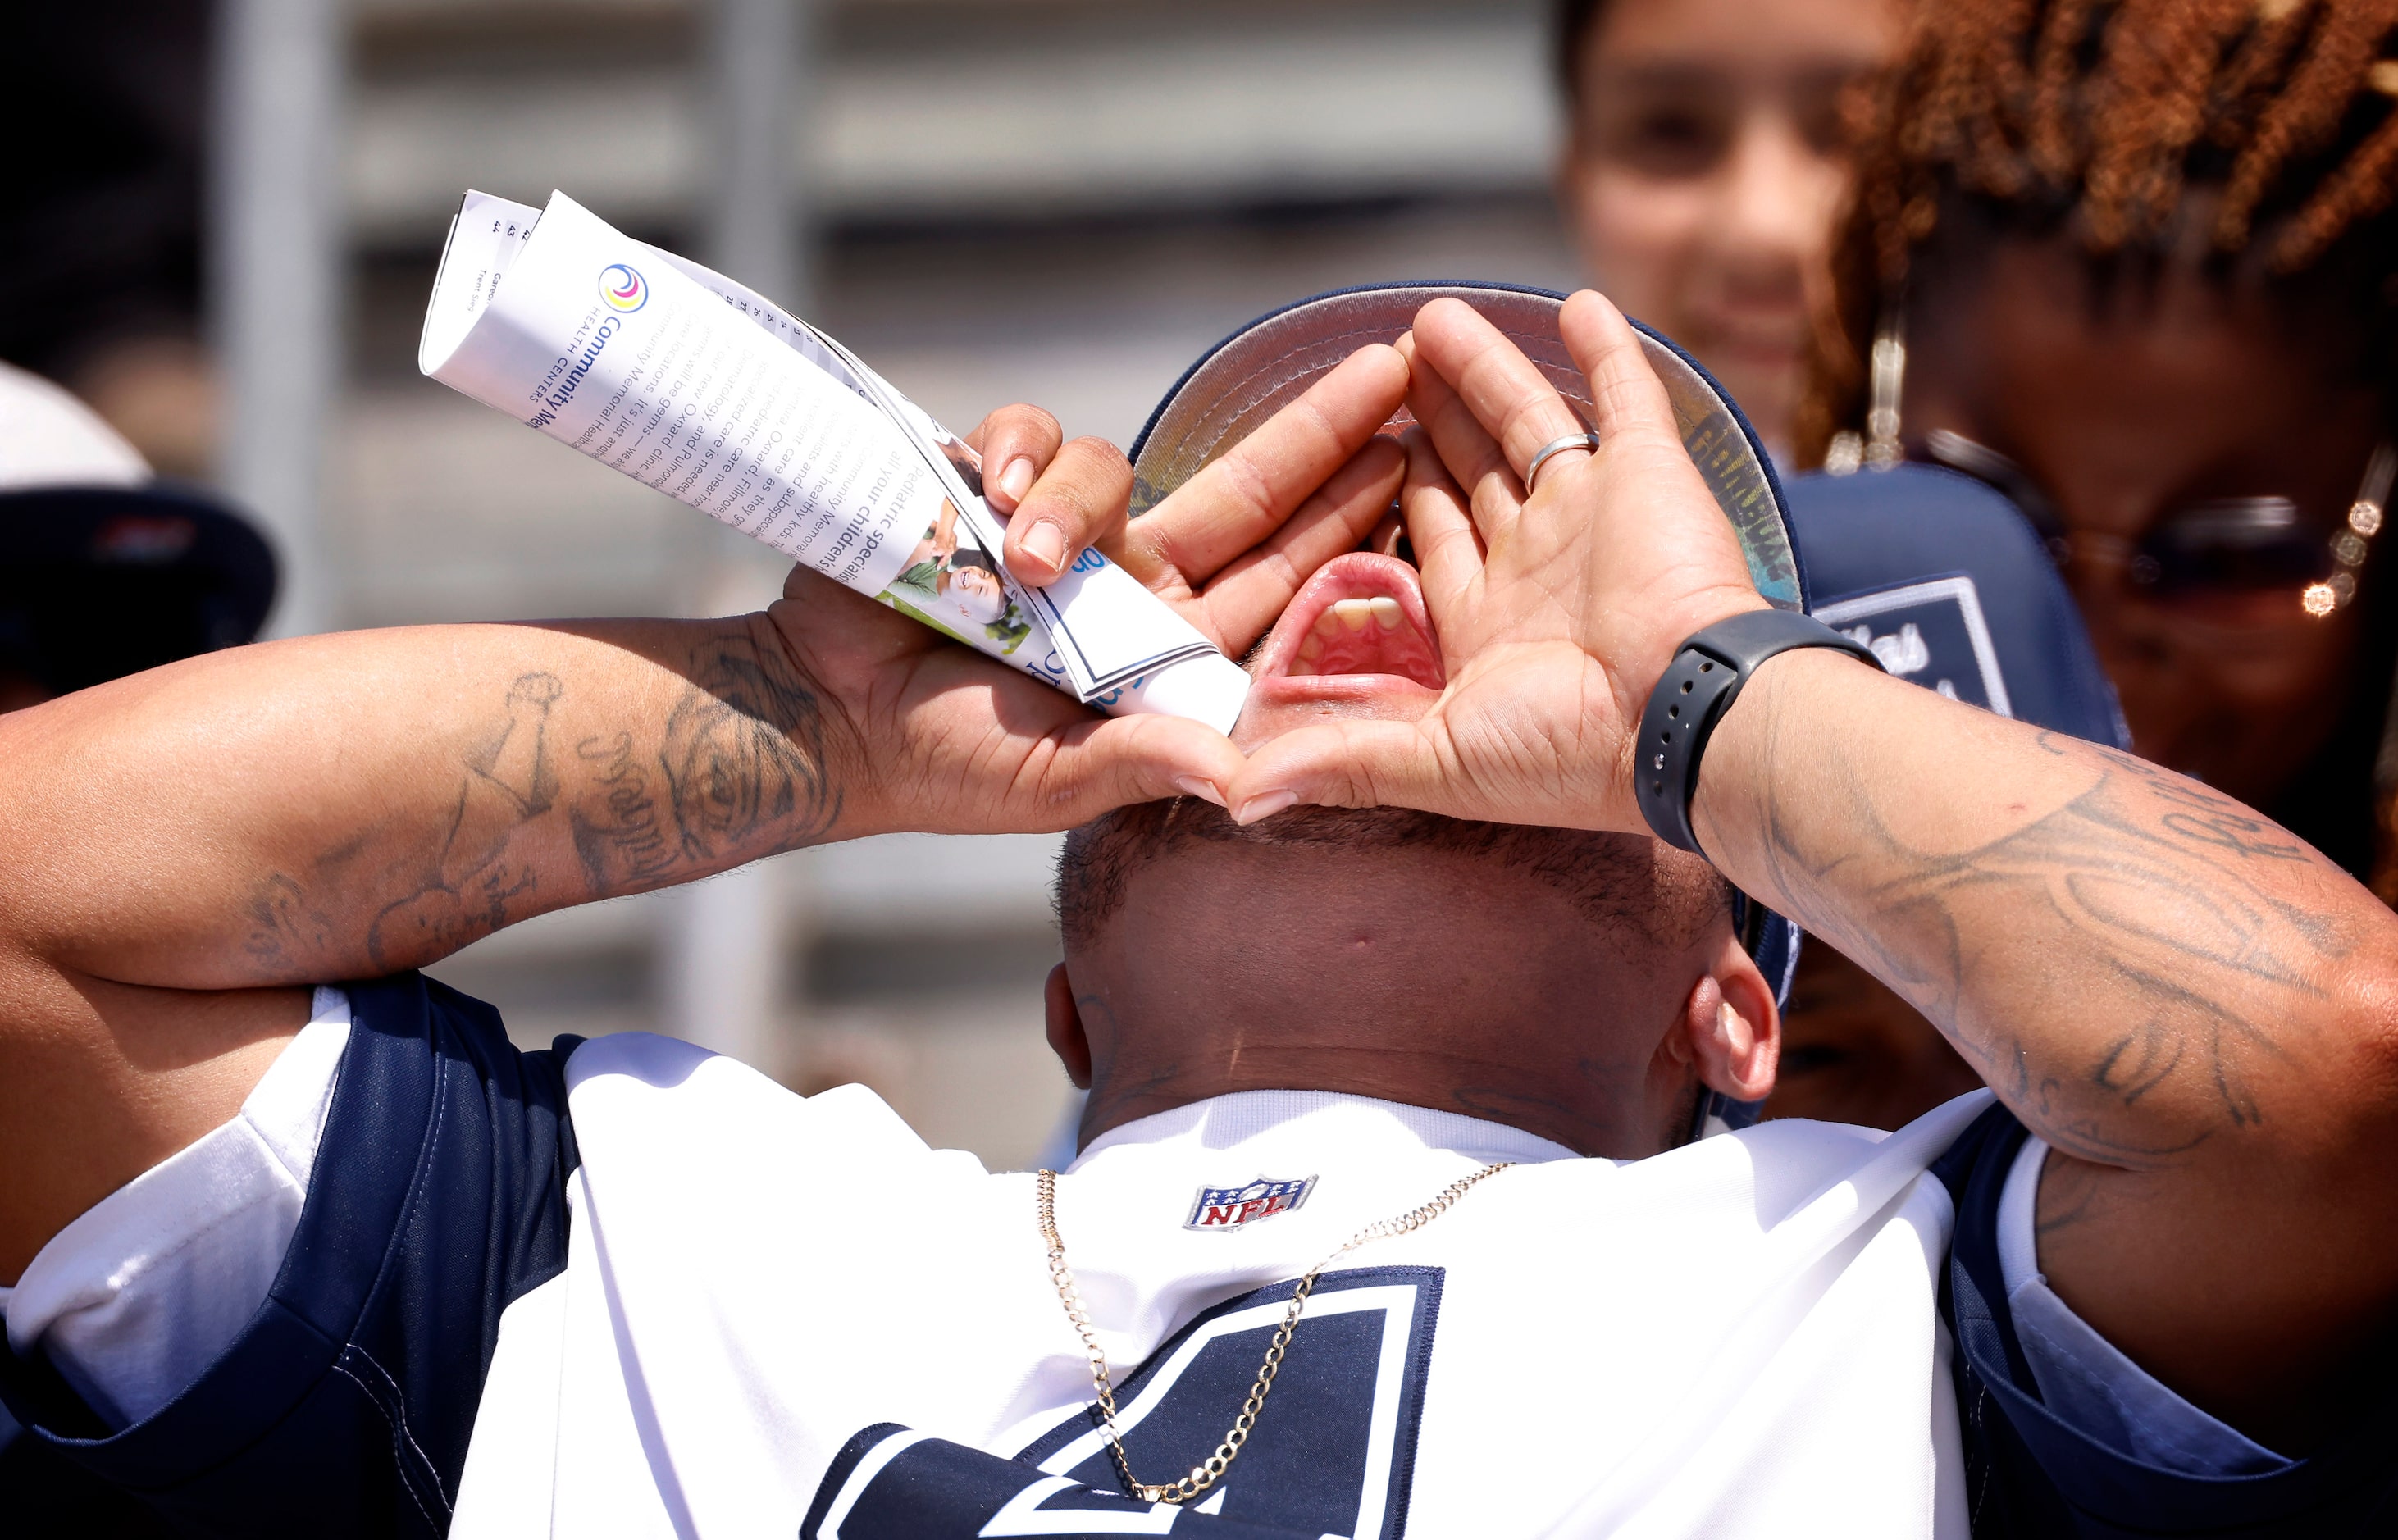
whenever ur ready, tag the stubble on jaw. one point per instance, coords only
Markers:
(1624, 882)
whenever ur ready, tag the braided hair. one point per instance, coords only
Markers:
(2263, 133)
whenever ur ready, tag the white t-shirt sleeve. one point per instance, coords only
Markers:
(143, 1289)
(2085, 1380)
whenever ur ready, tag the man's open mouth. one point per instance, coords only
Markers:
(1360, 622)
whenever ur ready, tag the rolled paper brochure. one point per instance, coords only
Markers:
(693, 385)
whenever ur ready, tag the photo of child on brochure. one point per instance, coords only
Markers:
(953, 585)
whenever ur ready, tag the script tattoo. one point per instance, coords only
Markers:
(738, 769)
(2150, 916)
(619, 831)
(1128, 1079)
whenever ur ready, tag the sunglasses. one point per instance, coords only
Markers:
(2226, 546)
(2229, 547)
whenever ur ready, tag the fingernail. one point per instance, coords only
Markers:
(1265, 805)
(1205, 791)
(1016, 480)
(1046, 542)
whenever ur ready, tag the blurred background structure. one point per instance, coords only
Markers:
(1056, 200)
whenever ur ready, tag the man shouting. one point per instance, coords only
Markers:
(1394, 1020)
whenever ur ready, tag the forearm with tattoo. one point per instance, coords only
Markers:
(546, 813)
(2191, 1007)
(2131, 959)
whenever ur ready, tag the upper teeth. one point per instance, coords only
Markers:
(1355, 613)
(1386, 613)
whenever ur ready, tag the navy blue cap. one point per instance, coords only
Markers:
(97, 581)
(1953, 590)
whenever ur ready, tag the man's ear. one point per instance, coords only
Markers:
(1066, 1037)
(1730, 1026)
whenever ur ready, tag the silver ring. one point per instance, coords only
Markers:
(1572, 441)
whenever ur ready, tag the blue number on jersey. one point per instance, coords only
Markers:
(1332, 1455)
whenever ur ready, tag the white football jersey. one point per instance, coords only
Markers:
(785, 1315)
(428, 1284)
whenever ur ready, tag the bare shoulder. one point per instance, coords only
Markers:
(105, 1080)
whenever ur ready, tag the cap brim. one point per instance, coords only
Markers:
(1264, 366)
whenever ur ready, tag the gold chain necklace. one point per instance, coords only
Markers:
(1207, 1472)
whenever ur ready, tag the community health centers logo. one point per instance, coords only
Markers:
(624, 290)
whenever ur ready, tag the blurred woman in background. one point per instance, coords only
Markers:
(2135, 264)
(1704, 166)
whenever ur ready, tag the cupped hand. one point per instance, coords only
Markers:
(931, 736)
(1230, 546)
(922, 733)
(1555, 613)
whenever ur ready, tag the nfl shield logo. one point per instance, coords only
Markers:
(1230, 1207)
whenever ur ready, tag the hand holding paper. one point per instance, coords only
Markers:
(944, 742)
(694, 386)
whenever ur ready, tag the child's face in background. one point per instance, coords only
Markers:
(1704, 166)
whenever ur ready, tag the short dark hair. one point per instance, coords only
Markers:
(1570, 24)
(1661, 898)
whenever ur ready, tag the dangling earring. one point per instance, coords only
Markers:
(2349, 546)
(1880, 448)
(1883, 448)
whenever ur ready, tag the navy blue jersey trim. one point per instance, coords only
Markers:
(46, 1496)
(924, 1487)
(1418, 1375)
(346, 1404)
(1305, 1373)
(859, 1446)
(2030, 1474)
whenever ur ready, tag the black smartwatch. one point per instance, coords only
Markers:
(1697, 687)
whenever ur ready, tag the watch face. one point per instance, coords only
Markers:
(1259, 369)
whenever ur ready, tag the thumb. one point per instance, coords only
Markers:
(1355, 764)
(1135, 759)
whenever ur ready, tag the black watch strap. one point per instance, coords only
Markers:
(1697, 687)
